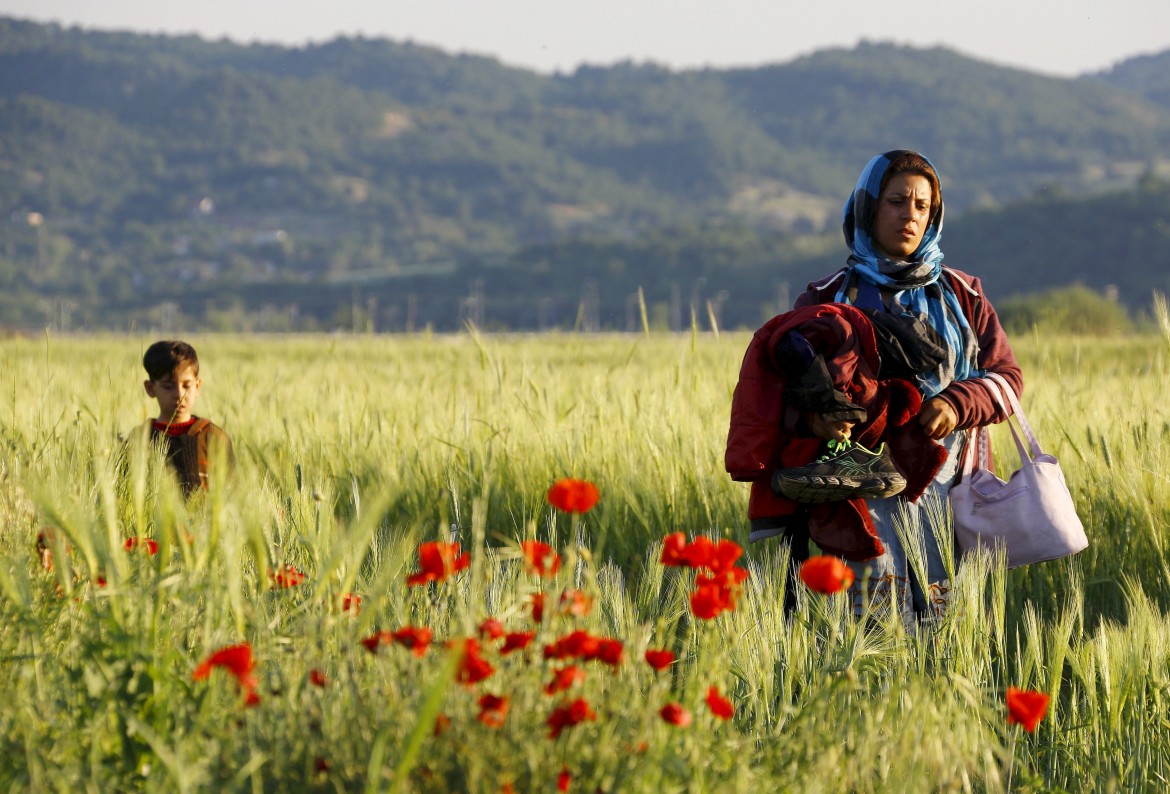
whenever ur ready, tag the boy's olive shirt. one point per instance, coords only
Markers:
(192, 451)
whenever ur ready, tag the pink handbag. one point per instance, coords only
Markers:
(1032, 515)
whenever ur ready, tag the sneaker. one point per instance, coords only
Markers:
(845, 471)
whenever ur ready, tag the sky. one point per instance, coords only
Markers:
(1054, 37)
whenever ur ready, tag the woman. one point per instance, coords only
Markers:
(894, 299)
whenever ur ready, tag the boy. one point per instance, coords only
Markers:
(191, 443)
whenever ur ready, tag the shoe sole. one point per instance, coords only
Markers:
(817, 489)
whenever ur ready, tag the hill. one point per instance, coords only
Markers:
(1147, 76)
(360, 183)
(1111, 243)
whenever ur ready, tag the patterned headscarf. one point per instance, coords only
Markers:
(915, 283)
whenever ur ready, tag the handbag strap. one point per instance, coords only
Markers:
(1005, 390)
(976, 454)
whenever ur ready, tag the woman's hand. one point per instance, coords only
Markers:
(833, 431)
(938, 418)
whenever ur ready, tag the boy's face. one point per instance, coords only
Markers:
(176, 394)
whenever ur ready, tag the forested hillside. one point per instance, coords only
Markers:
(176, 182)
(1147, 76)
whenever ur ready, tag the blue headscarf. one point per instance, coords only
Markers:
(914, 284)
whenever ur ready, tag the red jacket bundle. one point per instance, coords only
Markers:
(767, 434)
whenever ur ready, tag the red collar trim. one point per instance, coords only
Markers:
(175, 429)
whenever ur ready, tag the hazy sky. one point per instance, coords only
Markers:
(1061, 37)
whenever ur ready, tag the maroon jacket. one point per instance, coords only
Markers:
(973, 404)
(765, 434)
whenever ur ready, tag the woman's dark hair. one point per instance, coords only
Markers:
(907, 162)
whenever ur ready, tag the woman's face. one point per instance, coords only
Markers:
(903, 213)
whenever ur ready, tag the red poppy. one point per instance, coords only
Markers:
(437, 561)
(317, 678)
(702, 552)
(538, 607)
(574, 602)
(660, 660)
(675, 715)
(1026, 707)
(564, 779)
(729, 578)
(492, 710)
(672, 550)
(724, 556)
(720, 706)
(417, 638)
(567, 716)
(132, 543)
(541, 558)
(351, 602)
(236, 659)
(563, 679)
(442, 723)
(609, 651)
(286, 576)
(710, 601)
(473, 668)
(578, 644)
(826, 575)
(582, 645)
(517, 641)
(491, 629)
(717, 594)
(699, 552)
(573, 496)
(377, 638)
(507, 788)
(321, 764)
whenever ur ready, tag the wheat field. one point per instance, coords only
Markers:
(352, 451)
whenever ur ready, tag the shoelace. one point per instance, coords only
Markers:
(833, 448)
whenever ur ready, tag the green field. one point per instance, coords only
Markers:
(354, 450)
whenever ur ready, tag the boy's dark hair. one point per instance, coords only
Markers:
(168, 357)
